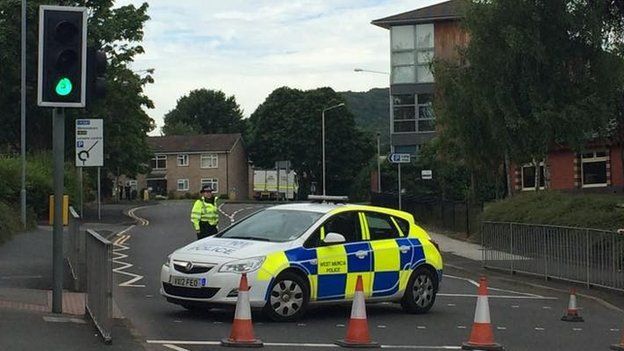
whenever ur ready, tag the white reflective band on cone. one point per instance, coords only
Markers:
(243, 309)
(482, 312)
(358, 311)
(572, 303)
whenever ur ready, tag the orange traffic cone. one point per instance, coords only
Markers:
(482, 336)
(242, 334)
(620, 346)
(357, 329)
(572, 312)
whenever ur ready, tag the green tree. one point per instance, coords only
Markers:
(118, 32)
(287, 126)
(540, 73)
(206, 112)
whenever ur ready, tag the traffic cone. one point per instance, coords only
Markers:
(482, 336)
(242, 334)
(620, 346)
(357, 328)
(572, 312)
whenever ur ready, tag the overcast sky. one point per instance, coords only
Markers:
(249, 48)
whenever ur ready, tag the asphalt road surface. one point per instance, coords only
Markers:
(523, 317)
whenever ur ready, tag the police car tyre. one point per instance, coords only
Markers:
(288, 298)
(420, 292)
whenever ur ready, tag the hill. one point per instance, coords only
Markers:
(370, 109)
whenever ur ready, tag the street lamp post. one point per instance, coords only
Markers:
(378, 165)
(323, 134)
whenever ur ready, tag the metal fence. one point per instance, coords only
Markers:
(457, 216)
(100, 283)
(75, 251)
(589, 256)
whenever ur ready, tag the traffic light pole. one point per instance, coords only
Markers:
(58, 115)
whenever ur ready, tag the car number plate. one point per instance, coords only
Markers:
(188, 282)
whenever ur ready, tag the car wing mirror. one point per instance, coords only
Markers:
(334, 238)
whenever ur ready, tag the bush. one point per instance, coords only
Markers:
(9, 221)
(599, 211)
(39, 181)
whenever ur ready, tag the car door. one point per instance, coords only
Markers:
(392, 253)
(338, 265)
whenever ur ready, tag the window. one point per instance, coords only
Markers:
(403, 225)
(528, 176)
(346, 224)
(381, 226)
(209, 161)
(412, 53)
(594, 169)
(413, 113)
(213, 183)
(159, 162)
(273, 225)
(183, 184)
(183, 160)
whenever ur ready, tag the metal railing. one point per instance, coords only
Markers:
(75, 252)
(589, 256)
(100, 283)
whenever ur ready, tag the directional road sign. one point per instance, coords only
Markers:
(426, 174)
(89, 143)
(399, 158)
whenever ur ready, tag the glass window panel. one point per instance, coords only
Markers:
(424, 34)
(594, 173)
(212, 182)
(424, 74)
(424, 56)
(406, 112)
(425, 99)
(381, 227)
(404, 126)
(528, 177)
(425, 112)
(403, 99)
(402, 37)
(426, 125)
(403, 58)
(405, 74)
(601, 154)
(407, 149)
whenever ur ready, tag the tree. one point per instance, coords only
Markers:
(540, 73)
(119, 32)
(287, 126)
(206, 112)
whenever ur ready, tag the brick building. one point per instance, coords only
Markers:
(183, 164)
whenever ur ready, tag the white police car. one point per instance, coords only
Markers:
(305, 253)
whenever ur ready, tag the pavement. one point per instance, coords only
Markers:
(26, 279)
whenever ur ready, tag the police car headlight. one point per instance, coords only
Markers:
(168, 262)
(243, 266)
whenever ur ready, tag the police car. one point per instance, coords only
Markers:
(307, 253)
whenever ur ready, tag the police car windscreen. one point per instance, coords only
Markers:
(273, 225)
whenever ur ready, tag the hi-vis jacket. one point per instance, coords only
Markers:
(205, 212)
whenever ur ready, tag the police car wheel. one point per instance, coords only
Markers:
(420, 292)
(288, 298)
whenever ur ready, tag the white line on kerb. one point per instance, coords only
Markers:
(501, 296)
(176, 348)
(289, 344)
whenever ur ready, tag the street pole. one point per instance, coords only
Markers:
(99, 196)
(399, 186)
(323, 133)
(378, 165)
(58, 116)
(23, 117)
(81, 180)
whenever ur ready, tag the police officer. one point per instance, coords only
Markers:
(205, 215)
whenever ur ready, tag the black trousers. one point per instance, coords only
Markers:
(206, 230)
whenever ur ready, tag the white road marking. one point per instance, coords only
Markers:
(461, 327)
(502, 297)
(119, 246)
(577, 329)
(451, 305)
(10, 277)
(63, 320)
(291, 344)
(301, 325)
(421, 327)
(499, 290)
(547, 308)
(501, 328)
(176, 348)
(539, 329)
(340, 325)
(614, 330)
(515, 306)
(232, 216)
(381, 326)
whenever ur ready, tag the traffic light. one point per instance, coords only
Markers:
(62, 56)
(96, 68)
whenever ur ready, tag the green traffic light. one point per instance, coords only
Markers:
(64, 87)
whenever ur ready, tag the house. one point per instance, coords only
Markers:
(416, 38)
(182, 164)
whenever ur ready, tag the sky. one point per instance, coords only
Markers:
(249, 48)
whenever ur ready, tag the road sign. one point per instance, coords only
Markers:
(399, 158)
(89, 143)
(426, 174)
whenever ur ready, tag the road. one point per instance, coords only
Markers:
(523, 317)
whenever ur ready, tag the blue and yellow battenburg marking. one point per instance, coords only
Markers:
(385, 265)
